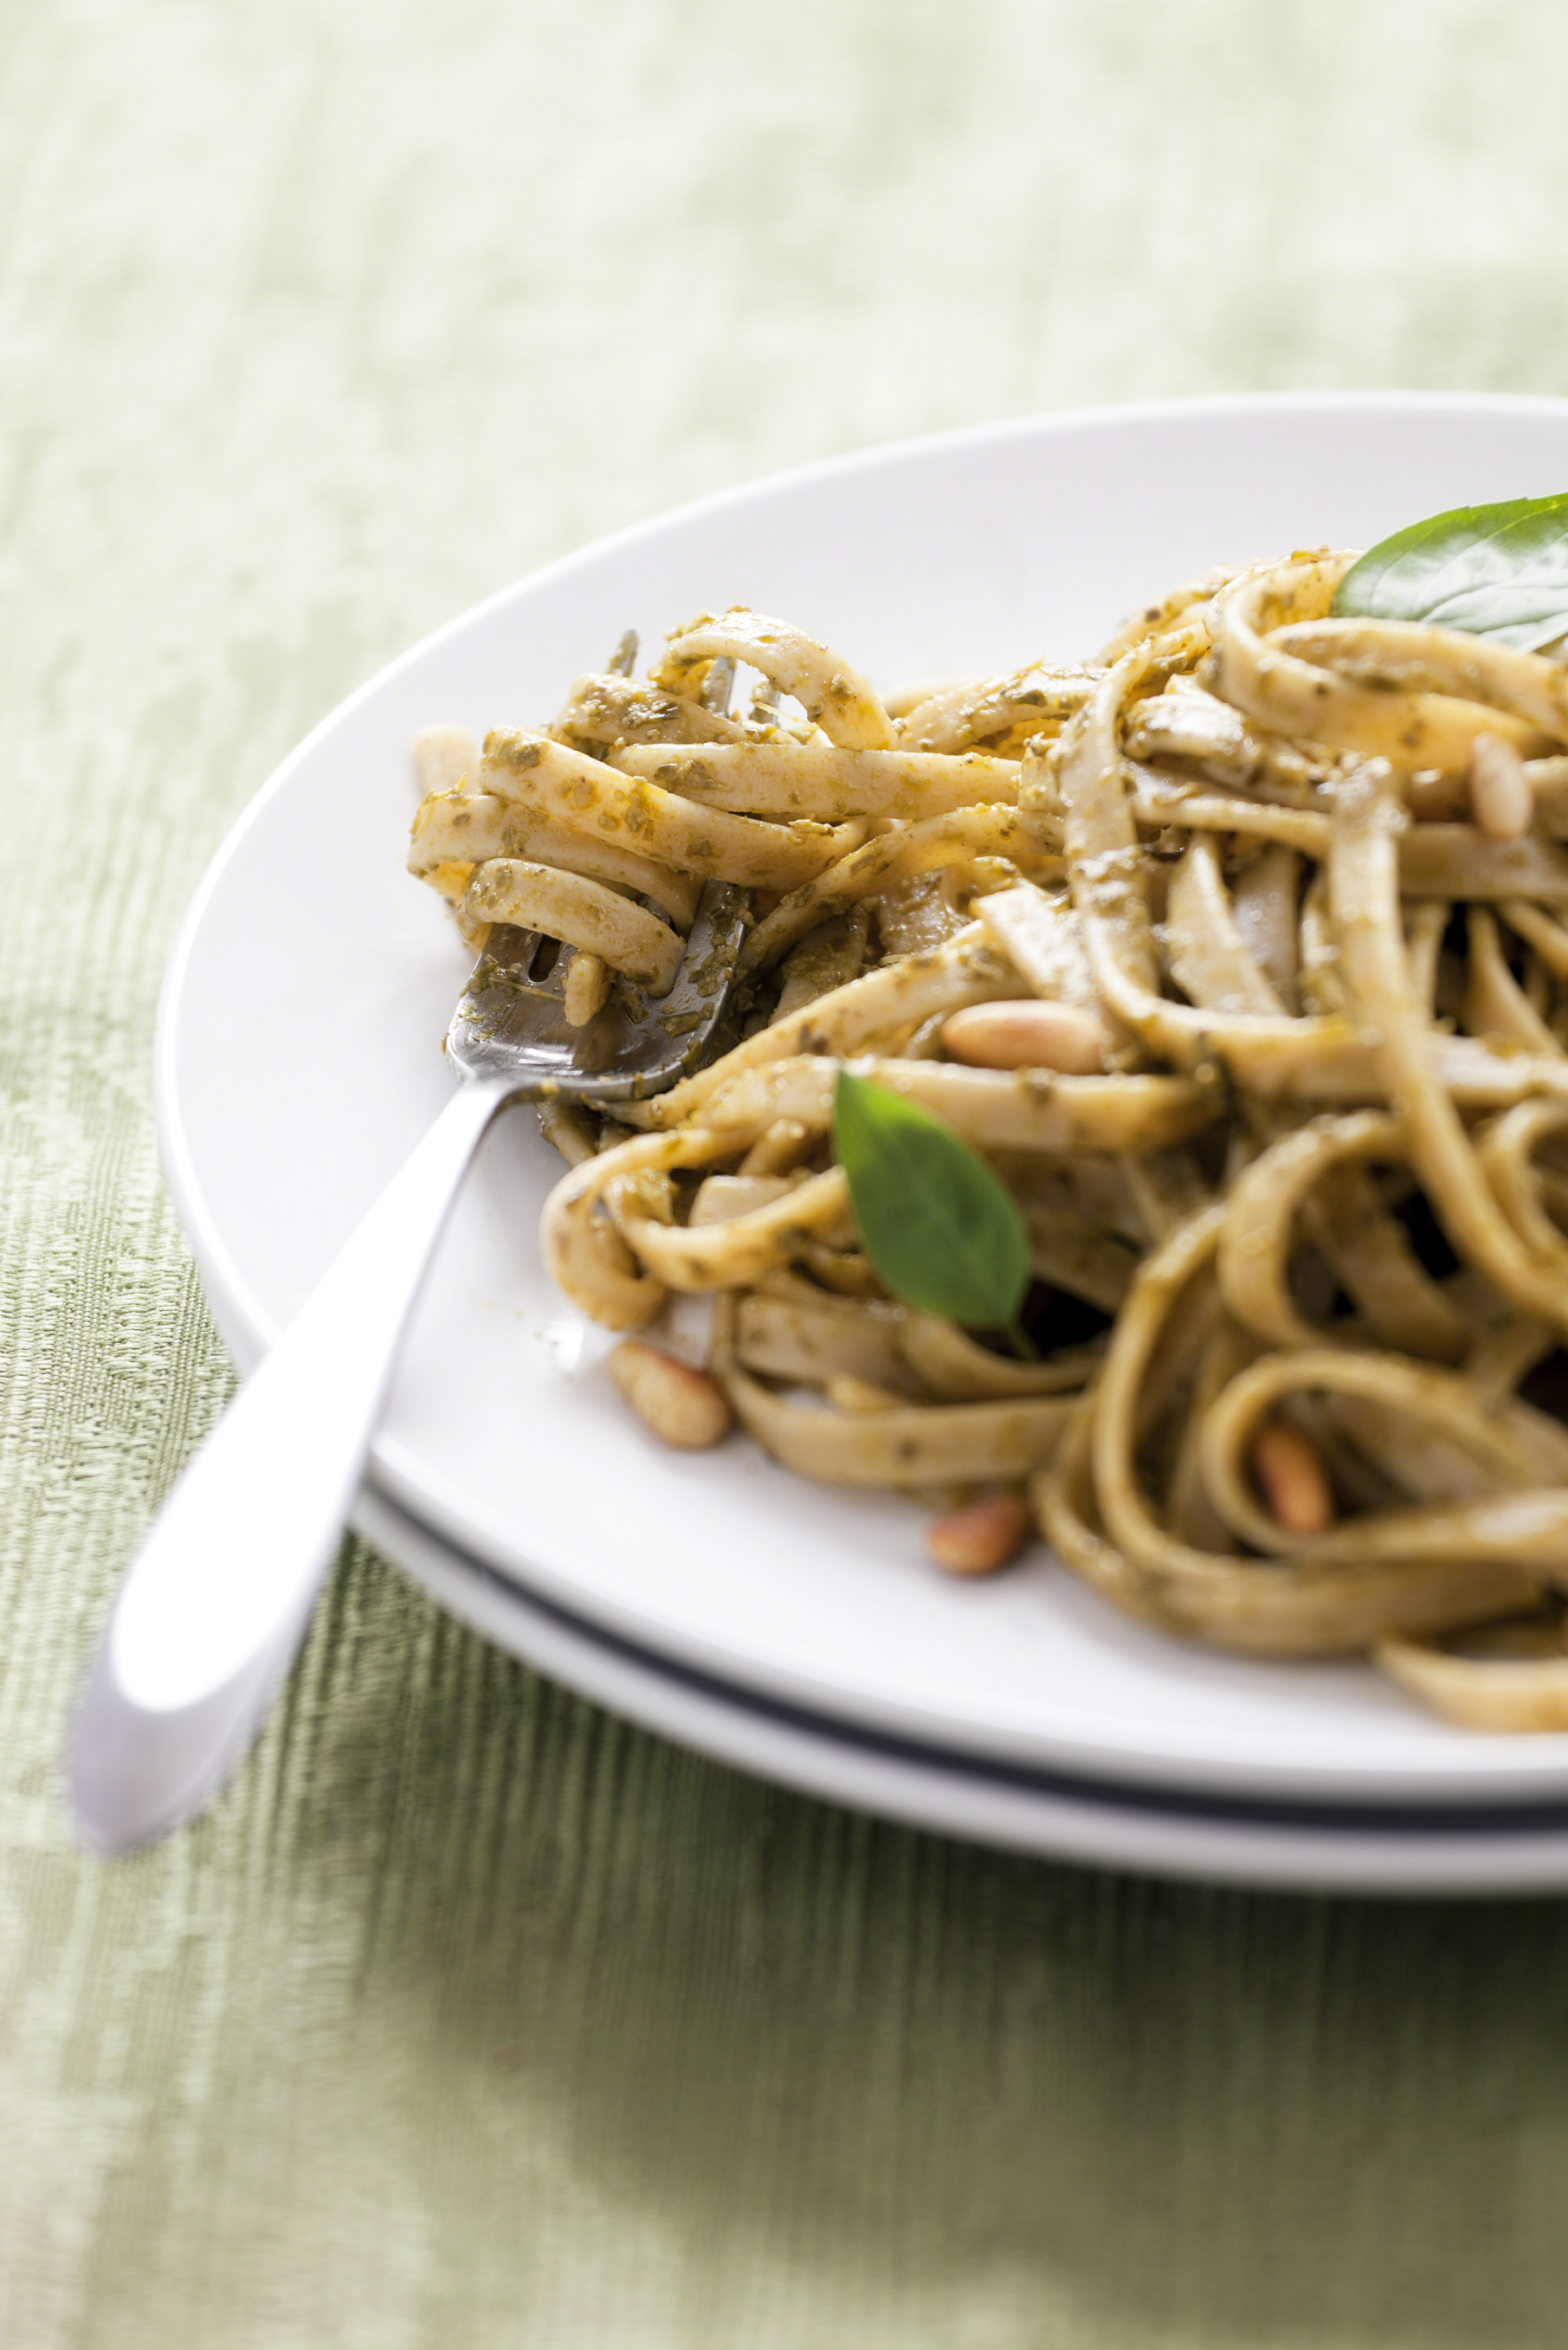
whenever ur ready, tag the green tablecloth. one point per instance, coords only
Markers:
(471, 2016)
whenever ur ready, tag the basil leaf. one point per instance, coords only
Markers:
(944, 1233)
(1492, 571)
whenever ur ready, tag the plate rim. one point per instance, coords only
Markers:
(1531, 1773)
(1414, 1856)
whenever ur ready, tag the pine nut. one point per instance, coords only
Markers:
(1031, 1034)
(1290, 1470)
(680, 1406)
(981, 1536)
(1501, 801)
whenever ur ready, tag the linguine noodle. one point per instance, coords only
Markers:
(1271, 912)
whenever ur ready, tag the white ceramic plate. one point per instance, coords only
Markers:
(297, 1064)
(1423, 1851)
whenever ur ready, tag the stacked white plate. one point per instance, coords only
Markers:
(789, 1628)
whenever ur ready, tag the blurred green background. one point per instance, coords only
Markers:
(471, 2016)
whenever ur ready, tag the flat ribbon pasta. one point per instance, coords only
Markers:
(1297, 1369)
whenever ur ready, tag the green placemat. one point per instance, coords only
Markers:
(471, 2016)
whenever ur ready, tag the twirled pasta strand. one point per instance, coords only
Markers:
(1309, 1207)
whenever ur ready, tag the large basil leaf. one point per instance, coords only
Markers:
(1492, 571)
(944, 1231)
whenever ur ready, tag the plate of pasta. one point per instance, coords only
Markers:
(1136, 1158)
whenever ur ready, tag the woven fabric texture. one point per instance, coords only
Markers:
(471, 2016)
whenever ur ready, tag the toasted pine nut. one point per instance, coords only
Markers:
(981, 1536)
(1290, 1470)
(1031, 1034)
(680, 1406)
(1501, 801)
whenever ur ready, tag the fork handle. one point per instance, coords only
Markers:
(215, 1603)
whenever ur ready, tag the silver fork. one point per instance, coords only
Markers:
(215, 1604)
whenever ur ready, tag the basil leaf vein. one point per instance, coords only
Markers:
(1497, 571)
(942, 1229)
